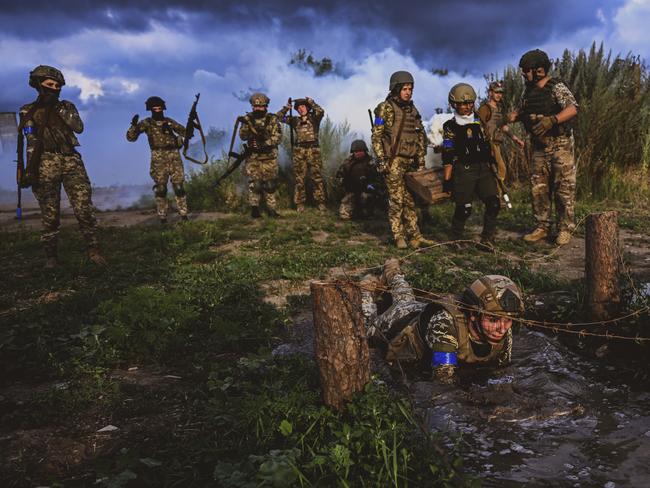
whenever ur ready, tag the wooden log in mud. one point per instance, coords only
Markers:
(340, 341)
(602, 266)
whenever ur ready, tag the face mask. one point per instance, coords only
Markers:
(158, 115)
(48, 96)
(258, 114)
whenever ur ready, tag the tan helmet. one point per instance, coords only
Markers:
(43, 72)
(400, 78)
(462, 92)
(494, 294)
(259, 99)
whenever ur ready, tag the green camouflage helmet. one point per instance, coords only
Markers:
(400, 78)
(494, 294)
(43, 72)
(358, 145)
(535, 59)
(259, 99)
(462, 92)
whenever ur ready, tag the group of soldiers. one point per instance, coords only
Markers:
(474, 327)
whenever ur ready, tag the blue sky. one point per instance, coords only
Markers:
(115, 54)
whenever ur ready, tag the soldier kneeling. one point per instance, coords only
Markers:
(472, 328)
(358, 176)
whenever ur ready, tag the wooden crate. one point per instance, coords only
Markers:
(427, 185)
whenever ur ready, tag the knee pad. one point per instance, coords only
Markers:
(179, 190)
(463, 211)
(492, 205)
(270, 185)
(257, 186)
(160, 190)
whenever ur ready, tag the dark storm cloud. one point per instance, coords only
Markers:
(457, 35)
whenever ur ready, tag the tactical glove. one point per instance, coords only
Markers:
(134, 120)
(447, 186)
(544, 125)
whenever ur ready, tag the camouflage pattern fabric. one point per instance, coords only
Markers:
(67, 170)
(165, 138)
(402, 215)
(553, 174)
(307, 159)
(493, 121)
(262, 165)
(346, 208)
(307, 126)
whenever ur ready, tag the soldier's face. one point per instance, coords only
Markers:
(51, 84)
(532, 75)
(465, 108)
(259, 108)
(359, 154)
(496, 96)
(156, 109)
(406, 93)
(495, 327)
(302, 109)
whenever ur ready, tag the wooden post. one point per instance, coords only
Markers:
(340, 341)
(602, 258)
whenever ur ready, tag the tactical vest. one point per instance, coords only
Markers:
(493, 120)
(404, 144)
(55, 135)
(470, 144)
(306, 130)
(357, 173)
(263, 126)
(541, 102)
(161, 135)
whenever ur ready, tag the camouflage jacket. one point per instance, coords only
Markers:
(162, 134)
(58, 133)
(265, 132)
(306, 126)
(386, 140)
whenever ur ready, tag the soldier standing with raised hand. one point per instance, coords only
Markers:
(165, 137)
(49, 125)
(306, 153)
(546, 111)
(262, 131)
(400, 145)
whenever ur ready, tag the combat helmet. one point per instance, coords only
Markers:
(496, 87)
(43, 72)
(299, 101)
(462, 92)
(259, 99)
(155, 102)
(535, 59)
(358, 145)
(400, 78)
(494, 294)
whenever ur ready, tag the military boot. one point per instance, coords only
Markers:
(400, 243)
(418, 242)
(536, 235)
(391, 268)
(321, 207)
(95, 256)
(486, 244)
(300, 208)
(255, 212)
(563, 238)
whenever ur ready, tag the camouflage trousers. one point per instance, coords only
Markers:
(553, 177)
(262, 180)
(67, 170)
(350, 202)
(166, 164)
(307, 159)
(402, 217)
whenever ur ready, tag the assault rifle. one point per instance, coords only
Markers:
(193, 122)
(239, 159)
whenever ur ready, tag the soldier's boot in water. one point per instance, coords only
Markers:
(400, 243)
(255, 212)
(95, 256)
(391, 268)
(536, 235)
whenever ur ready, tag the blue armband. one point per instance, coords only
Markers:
(444, 358)
(448, 143)
(379, 121)
(29, 129)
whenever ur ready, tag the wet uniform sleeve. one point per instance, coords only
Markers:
(135, 130)
(69, 114)
(448, 145)
(384, 117)
(442, 337)
(563, 95)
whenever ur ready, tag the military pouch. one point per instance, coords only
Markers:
(406, 346)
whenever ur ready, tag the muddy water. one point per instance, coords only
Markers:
(550, 419)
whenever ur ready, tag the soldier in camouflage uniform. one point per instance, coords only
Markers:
(165, 138)
(262, 132)
(49, 125)
(306, 152)
(496, 126)
(546, 111)
(357, 175)
(472, 328)
(400, 145)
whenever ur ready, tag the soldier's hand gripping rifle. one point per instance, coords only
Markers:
(193, 122)
(239, 157)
